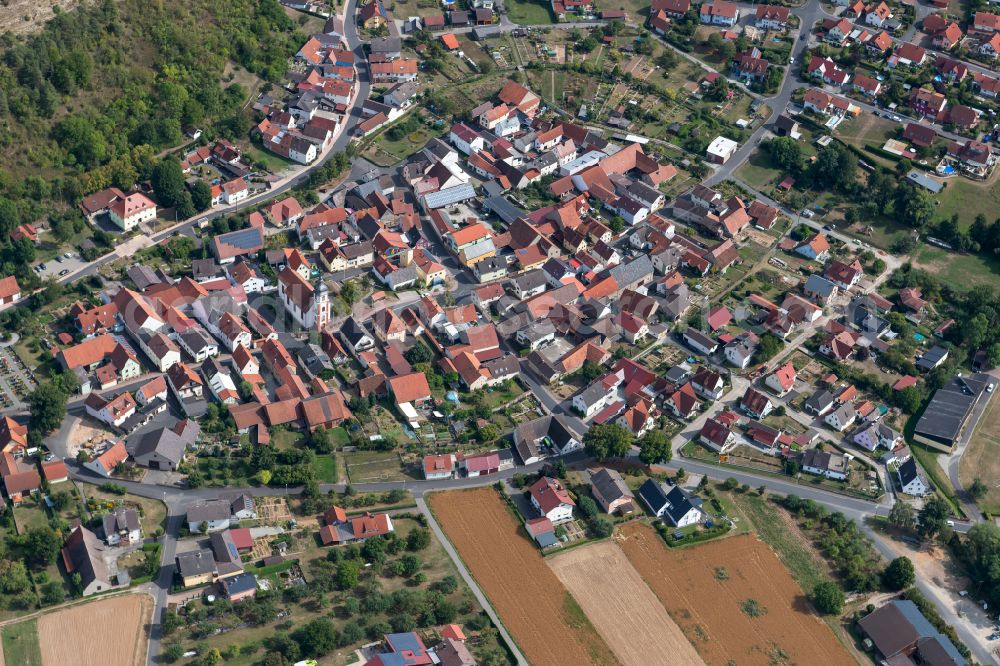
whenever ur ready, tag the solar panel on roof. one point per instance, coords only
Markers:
(243, 239)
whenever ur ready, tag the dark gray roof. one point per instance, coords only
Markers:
(609, 484)
(820, 400)
(700, 338)
(817, 284)
(243, 582)
(197, 339)
(502, 208)
(654, 495)
(932, 357)
(908, 471)
(120, 519)
(677, 374)
(633, 271)
(224, 550)
(204, 268)
(531, 280)
(143, 277)
(527, 435)
(352, 331)
(211, 510)
(386, 45)
(314, 359)
(679, 503)
(196, 562)
(166, 442)
(84, 549)
(948, 410)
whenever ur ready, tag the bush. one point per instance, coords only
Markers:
(899, 574)
(828, 598)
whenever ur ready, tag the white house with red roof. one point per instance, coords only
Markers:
(10, 291)
(439, 466)
(105, 462)
(552, 500)
(132, 210)
(782, 380)
(114, 411)
(719, 12)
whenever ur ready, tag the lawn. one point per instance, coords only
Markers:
(867, 129)
(400, 149)
(405, 8)
(154, 512)
(29, 515)
(758, 173)
(286, 439)
(371, 466)
(968, 199)
(982, 459)
(339, 436)
(527, 12)
(273, 163)
(325, 468)
(960, 271)
(20, 644)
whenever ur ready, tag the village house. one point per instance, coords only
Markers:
(675, 506)
(552, 500)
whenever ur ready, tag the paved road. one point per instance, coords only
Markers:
(808, 15)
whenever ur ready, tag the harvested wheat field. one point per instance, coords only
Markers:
(626, 613)
(540, 614)
(109, 632)
(734, 600)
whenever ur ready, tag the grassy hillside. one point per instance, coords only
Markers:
(91, 99)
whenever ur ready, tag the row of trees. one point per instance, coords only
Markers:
(610, 440)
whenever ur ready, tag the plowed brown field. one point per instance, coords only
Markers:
(109, 632)
(532, 603)
(704, 589)
(609, 590)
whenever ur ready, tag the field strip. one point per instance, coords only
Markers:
(608, 588)
(705, 589)
(527, 595)
(109, 632)
(467, 577)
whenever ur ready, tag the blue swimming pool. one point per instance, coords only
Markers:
(919, 337)
(948, 169)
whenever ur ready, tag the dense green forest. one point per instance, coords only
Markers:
(90, 100)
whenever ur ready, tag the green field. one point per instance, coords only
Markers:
(20, 644)
(325, 468)
(769, 526)
(968, 198)
(758, 173)
(527, 12)
(960, 271)
(372, 466)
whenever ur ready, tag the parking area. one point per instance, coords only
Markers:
(61, 266)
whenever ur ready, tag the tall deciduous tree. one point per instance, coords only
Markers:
(607, 440)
